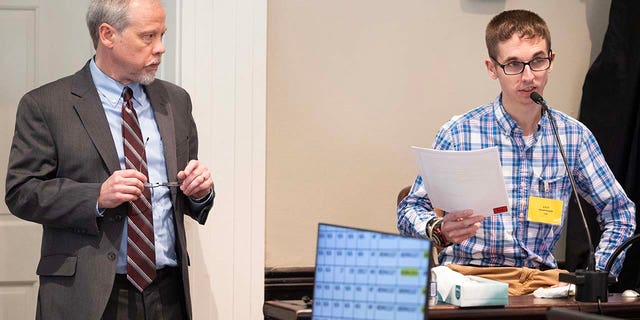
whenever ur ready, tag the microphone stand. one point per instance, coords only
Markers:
(619, 250)
(591, 285)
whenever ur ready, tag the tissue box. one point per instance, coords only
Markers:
(475, 291)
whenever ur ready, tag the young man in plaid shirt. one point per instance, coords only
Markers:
(510, 246)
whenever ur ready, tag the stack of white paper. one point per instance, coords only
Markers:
(459, 180)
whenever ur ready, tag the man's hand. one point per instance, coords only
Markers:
(120, 187)
(196, 180)
(458, 226)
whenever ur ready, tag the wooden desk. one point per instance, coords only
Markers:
(519, 307)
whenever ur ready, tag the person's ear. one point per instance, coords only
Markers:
(107, 35)
(491, 68)
(553, 60)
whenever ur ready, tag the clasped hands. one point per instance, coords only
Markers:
(128, 185)
(458, 226)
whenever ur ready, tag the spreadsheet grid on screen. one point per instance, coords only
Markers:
(363, 274)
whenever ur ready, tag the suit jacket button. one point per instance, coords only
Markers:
(111, 256)
(117, 217)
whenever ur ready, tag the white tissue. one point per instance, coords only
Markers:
(555, 292)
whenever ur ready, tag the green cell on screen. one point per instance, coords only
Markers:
(409, 272)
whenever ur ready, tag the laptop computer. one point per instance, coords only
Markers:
(365, 274)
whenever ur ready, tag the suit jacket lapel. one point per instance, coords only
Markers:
(91, 113)
(162, 111)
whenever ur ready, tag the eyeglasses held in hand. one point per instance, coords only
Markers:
(152, 185)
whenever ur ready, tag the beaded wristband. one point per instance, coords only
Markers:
(434, 232)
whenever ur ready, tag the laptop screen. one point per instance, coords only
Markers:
(364, 274)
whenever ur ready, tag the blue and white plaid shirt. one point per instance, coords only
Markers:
(533, 168)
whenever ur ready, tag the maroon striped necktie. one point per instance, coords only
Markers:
(141, 255)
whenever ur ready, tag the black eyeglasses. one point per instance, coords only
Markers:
(152, 185)
(517, 67)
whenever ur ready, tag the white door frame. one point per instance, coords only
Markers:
(221, 61)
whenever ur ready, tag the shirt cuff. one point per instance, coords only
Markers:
(203, 199)
(200, 207)
(99, 211)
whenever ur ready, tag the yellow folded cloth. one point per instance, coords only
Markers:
(521, 280)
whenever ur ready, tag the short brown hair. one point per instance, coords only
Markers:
(521, 22)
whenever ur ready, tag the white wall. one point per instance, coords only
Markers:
(221, 61)
(353, 84)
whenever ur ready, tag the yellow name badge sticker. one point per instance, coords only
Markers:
(544, 210)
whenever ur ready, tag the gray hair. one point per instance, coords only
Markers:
(112, 12)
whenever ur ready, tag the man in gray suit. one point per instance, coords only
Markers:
(70, 171)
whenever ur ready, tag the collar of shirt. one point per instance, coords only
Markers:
(508, 125)
(110, 90)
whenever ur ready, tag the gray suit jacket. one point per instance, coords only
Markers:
(62, 152)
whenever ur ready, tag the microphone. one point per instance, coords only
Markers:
(591, 285)
(537, 98)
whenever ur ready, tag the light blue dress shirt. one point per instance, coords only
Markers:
(110, 92)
